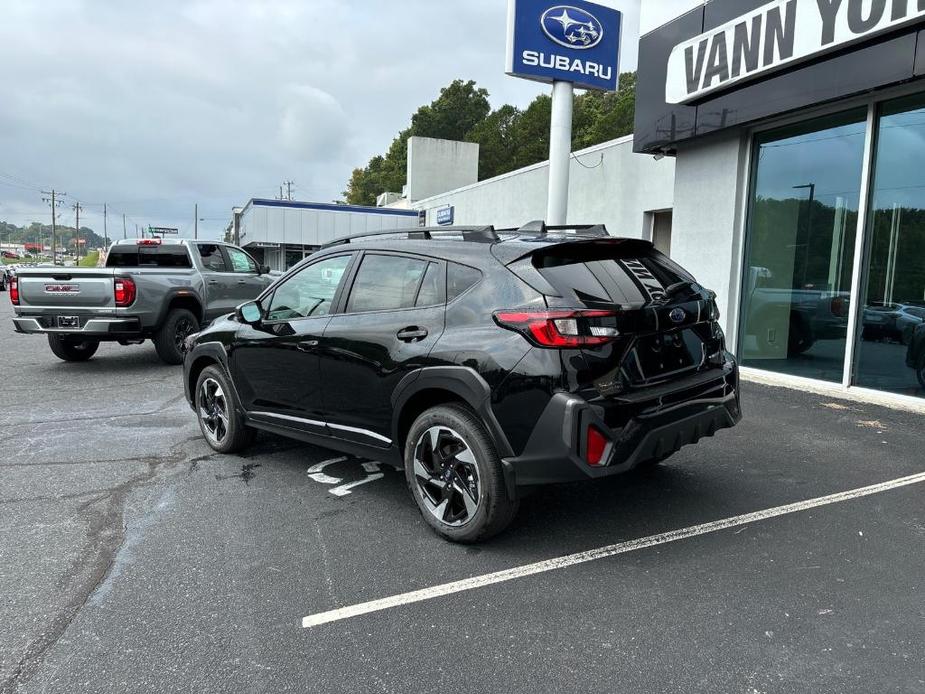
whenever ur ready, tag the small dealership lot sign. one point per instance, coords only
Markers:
(577, 42)
(446, 215)
(777, 35)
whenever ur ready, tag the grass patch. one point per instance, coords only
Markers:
(90, 260)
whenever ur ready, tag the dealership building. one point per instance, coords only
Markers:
(776, 155)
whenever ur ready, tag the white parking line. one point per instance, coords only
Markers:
(600, 553)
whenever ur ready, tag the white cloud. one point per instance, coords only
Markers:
(156, 106)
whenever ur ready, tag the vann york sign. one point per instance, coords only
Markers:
(776, 35)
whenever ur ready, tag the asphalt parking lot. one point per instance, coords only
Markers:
(133, 559)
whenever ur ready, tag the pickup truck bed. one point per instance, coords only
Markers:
(165, 294)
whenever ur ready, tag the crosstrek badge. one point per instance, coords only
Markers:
(577, 42)
(774, 36)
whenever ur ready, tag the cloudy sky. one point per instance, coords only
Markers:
(152, 107)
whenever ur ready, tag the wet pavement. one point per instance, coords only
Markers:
(132, 558)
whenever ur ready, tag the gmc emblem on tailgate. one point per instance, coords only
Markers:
(62, 289)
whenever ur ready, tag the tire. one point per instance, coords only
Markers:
(920, 374)
(460, 493)
(219, 417)
(170, 337)
(71, 349)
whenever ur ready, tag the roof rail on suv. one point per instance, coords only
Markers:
(539, 228)
(468, 233)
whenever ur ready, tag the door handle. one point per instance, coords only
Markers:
(213, 281)
(242, 281)
(412, 334)
(307, 346)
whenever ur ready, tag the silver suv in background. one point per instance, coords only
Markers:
(149, 289)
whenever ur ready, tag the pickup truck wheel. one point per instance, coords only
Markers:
(170, 339)
(219, 419)
(71, 349)
(455, 475)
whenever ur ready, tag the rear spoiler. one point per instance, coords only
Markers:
(539, 228)
(551, 244)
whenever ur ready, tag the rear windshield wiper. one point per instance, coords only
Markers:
(678, 286)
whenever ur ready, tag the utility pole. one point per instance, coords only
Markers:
(77, 209)
(288, 185)
(124, 234)
(105, 228)
(196, 221)
(54, 221)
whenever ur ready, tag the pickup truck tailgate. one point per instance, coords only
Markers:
(67, 288)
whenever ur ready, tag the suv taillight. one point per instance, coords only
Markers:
(124, 290)
(561, 328)
(14, 291)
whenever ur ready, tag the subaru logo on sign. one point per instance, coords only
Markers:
(678, 315)
(577, 42)
(572, 27)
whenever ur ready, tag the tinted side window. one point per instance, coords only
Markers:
(310, 292)
(212, 258)
(149, 256)
(431, 294)
(386, 283)
(240, 261)
(459, 278)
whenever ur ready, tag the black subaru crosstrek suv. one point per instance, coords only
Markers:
(480, 361)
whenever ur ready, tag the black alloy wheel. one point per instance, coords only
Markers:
(456, 476)
(447, 476)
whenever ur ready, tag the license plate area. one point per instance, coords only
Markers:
(663, 354)
(68, 321)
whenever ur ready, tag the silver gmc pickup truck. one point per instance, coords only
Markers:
(149, 289)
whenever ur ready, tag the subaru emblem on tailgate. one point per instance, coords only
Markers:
(678, 315)
(572, 27)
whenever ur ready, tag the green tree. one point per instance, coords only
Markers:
(509, 138)
(459, 108)
(497, 139)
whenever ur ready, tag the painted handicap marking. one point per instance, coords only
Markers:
(344, 489)
(316, 473)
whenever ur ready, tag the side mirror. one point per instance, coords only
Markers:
(264, 270)
(250, 313)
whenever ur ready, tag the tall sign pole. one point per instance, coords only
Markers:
(567, 45)
(560, 152)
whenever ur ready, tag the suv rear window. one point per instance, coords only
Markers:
(606, 273)
(148, 256)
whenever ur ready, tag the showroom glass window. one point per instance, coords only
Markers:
(891, 340)
(801, 237)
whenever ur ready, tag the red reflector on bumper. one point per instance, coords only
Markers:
(597, 446)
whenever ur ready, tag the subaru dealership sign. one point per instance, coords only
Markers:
(577, 42)
(446, 215)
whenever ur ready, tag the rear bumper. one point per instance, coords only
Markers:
(699, 407)
(97, 327)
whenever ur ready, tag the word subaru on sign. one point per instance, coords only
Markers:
(576, 42)
(775, 35)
